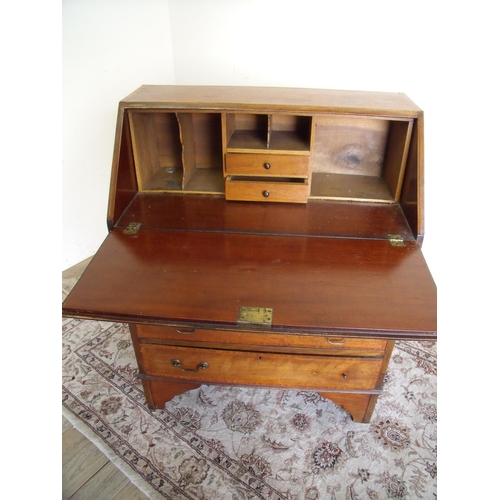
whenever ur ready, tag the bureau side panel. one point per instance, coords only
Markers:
(123, 185)
(412, 193)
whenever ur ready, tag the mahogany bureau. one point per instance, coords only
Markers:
(264, 237)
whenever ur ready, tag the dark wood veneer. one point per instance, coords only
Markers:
(341, 266)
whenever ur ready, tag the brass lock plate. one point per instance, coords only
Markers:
(262, 316)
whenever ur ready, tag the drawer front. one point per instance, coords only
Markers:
(231, 338)
(291, 191)
(272, 165)
(250, 368)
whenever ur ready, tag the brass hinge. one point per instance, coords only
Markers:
(132, 228)
(396, 240)
(261, 316)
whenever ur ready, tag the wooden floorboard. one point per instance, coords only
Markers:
(72, 444)
(80, 467)
(86, 472)
(106, 483)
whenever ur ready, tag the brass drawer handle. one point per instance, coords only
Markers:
(185, 331)
(338, 341)
(202, 366)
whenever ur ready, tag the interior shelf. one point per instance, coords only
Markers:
(359, 158)
(353, 158)
(350, 188)
(268, 133)
(242, 140)
(205, 180)
(177, 151)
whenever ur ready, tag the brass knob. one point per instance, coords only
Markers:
(267, 166)
(265, 194)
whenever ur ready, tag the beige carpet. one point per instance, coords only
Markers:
(233, 443)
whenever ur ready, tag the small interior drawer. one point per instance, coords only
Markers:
(267, 164)
(289, 342)
(288, 190)
(268, 369)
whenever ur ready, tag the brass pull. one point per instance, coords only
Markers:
(202, 366)
(338, 341)
(185, 331)
(265, 194)
(267, 166)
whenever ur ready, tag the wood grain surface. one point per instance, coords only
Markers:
(329, 285)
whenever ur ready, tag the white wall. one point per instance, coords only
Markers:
(110, 47)
(444, 57)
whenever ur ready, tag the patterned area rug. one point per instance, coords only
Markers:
(236, 443)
